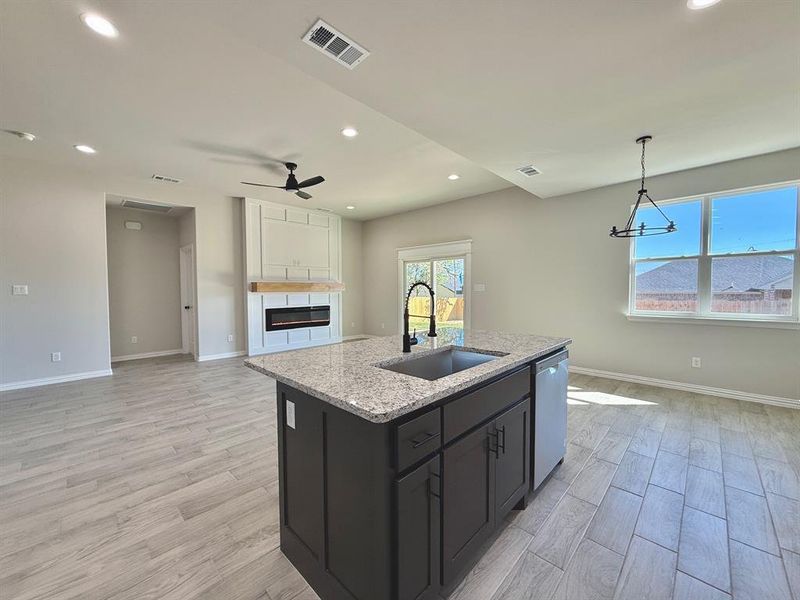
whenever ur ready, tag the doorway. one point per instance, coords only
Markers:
(444, 267)
(188, 301)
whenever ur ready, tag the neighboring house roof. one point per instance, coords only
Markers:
(735, 274)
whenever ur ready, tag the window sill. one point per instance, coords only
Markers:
(726, 321)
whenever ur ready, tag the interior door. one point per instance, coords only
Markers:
(418, 525)
(513, 457)
(188, 335)
(468, 505)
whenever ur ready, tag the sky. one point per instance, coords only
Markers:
(752, 222)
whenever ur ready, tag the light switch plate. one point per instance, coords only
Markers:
(55, 357)
(19, 290)
(290, 414)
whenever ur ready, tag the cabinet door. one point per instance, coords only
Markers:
(468, 506)
(513, 457)
(418, 552)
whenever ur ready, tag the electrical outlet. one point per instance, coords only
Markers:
(19, 290)
(55, 357)
(353, 324)
(383, 325)
(479, 287)
(696, 362)
(230, 337)
(134, 339)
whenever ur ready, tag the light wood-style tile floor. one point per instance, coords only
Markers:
(161, 483)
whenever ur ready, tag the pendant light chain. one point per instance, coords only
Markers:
(644, 143)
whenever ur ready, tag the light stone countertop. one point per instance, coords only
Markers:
(346, 374)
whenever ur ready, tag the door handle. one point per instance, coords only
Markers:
(428, 437)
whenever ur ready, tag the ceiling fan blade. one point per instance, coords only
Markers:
(303, 195)
(310, 182)
(280, 187)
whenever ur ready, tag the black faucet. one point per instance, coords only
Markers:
(409, 341)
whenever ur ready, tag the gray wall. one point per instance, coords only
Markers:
(144, 291)
(550, 267)
(53, 238)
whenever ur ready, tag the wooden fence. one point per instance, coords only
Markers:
(447, 309)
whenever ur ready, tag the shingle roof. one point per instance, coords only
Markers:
(737, 274)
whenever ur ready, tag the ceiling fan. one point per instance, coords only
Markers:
(291, 182)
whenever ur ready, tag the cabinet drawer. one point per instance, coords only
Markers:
(418, 438)
(470, 410)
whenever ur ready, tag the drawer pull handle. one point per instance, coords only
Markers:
(428, 437)
(501, 446)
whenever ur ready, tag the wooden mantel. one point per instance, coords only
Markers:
(266, 287)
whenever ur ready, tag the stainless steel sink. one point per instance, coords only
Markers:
(439, 364)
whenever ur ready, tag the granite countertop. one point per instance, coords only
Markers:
(346, 375)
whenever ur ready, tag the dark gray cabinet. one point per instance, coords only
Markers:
(485, 475)
(400, 510)
(418, 518)
(513, 455)
(467, 499)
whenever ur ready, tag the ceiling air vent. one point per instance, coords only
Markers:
(335, 45)
(165, 179)
(529, 170)
(138, 204)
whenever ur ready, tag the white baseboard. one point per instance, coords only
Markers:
(205, 357)
(690, 387)
(18, 385)
(146, 355)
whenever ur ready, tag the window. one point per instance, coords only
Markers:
(735, 256)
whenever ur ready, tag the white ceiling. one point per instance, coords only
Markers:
(193, 89)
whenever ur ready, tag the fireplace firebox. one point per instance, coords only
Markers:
(297, 316)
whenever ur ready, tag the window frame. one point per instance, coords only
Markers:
(703, 313)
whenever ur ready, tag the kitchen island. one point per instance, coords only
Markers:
(396, 468)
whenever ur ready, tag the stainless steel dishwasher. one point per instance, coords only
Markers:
(549, 415)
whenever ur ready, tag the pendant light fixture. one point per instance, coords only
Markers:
(641, 230)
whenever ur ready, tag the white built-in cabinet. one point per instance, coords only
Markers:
(286, 243)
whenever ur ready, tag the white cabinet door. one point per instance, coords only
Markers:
(316, 247)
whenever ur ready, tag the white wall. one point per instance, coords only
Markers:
(143, 282)
(352, 269)
(550, 267)
(53, 238)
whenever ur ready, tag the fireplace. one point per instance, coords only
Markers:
(295, 317)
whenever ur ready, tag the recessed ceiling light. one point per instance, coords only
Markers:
(100, 25)
(350, 207)
(349, 132)
(700, 4)
(85, 149)
(453, 177)
(23, 135)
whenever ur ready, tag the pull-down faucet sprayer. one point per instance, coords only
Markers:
(409, 341)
